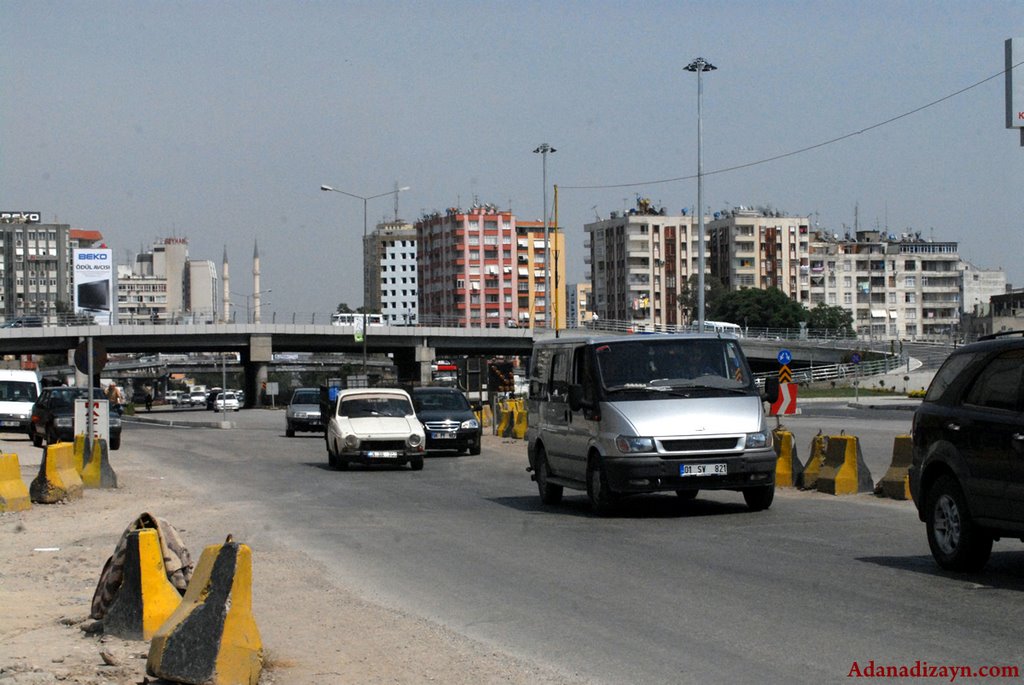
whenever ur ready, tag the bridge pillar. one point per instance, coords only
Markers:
(261, 353)
(424, 358)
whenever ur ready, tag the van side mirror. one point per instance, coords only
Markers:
(771, 390)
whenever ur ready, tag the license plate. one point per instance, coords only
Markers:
(443, 436)
(13, 423)
(703, 469)
(382, 455)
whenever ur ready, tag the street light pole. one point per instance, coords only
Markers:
(700, 65)
(365, 282)
(544, 149)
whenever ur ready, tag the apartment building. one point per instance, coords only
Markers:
(391, 285)
(761, 248)
(578, 312)
(640, 262)
(485, 268)
(165, 286)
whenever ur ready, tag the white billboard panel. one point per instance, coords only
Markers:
(94, 284)
(1014, 83)
(96, 411)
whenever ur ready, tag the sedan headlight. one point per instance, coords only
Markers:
(414, 440)
(472, 423)
(629, 445)
(759, 440)
(352, 441)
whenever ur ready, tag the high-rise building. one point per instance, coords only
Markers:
(165, 286)
(389, 253)
(578, 311)
(640, 263)
(485, 268)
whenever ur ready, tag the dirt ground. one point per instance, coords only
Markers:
(314, 630)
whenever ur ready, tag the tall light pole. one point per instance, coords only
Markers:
(365, 200)
(249, 310)
(544, 149)
(700, 65)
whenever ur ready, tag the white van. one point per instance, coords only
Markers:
(646, 413)
(18, 392)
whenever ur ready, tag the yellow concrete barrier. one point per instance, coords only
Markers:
(13, 492)
(519, 425)
(505, 418)
(896, 481)
(212, 638)
(844, 471)
(57, 480)
(79, 458)
(146, 598)
(97, 472)
(788, 467)
(808, 478)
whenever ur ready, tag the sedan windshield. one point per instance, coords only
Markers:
(676, 363)
(440, 401)
(363, 407)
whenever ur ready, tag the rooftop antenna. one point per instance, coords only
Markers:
(596, 215)
(396, 201)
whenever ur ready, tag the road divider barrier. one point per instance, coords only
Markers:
(146, 598)
(505, 418)
(212, 637)
(519, 422)
(844, 471)
(57, 480)
(97, 472)
(895, 483)
(808, 478)
(788, 467)
(483, 415)
(13, 492)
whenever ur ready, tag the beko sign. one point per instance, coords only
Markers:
(94, 273)
(20, 217)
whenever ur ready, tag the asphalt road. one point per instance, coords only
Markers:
(664, 592)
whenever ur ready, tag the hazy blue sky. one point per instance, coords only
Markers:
(218, 121)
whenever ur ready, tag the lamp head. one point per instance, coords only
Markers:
(326, 188)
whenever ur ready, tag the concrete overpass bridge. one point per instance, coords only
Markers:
(413, 348)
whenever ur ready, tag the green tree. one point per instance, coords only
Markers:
(757, 308)
(830, 317)
(714, 291)
(343, 308)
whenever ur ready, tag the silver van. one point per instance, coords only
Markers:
(632, 414)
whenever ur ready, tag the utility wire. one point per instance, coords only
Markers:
(803, 149)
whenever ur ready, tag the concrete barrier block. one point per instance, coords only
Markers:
(79, 456)
(57, 480)
(13, 491)
(212, 638)
(505, 417)
(788, 467)
(146, 598)
(895, 483)
(807, 479)
(520, 423)
(844, 471)
(97, 472)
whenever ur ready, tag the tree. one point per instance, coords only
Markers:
(830, 317)
(714, 291)
(769, 308)
(343, 308)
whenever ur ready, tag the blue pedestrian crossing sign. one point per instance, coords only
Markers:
(785, 357)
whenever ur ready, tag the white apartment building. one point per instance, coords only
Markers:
(640, 262)
(165, 286)
(389, 258)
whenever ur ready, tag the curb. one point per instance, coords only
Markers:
(223, 425)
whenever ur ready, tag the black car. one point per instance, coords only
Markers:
(448, 420)
(53, 416)
(967, 475)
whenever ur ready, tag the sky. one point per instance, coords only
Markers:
(219, 121)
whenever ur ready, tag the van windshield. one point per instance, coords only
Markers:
(676, 363)
(17, 391)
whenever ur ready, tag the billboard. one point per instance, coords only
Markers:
(1014, 83)
(94, 284)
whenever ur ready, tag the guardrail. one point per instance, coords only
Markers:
(835, 372)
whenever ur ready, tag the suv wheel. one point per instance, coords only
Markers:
(602, 499)
(956, 541)
(549, 493)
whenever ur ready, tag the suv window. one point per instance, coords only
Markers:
(945, 376)
(999, 385)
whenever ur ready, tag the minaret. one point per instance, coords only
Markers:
(256, 282)
(226, 306)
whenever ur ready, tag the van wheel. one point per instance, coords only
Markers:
(760, 497)
(549, 493)
(956, 541)
(602, 499)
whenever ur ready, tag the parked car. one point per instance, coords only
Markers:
(197, 398)
(226, 401)
(374, 426)
(18, 392)
(967, 474)
(211, 398)
(448, 421)
(53, 416)
(303, 412)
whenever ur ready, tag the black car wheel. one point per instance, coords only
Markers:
(549, 493)
(115, 442)
(416, 463)
(956, 541)
(37, 439)
(289, 432)
(475, 447)
(51, 436)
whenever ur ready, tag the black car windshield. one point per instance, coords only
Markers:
(65, 397)
(363, 407)
(440, 401)
(662, 364)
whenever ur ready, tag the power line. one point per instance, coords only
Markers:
(803, 149)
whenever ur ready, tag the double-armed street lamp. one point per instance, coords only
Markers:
(700, 65)
(365, 282)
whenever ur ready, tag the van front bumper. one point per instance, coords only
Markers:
(663, 472)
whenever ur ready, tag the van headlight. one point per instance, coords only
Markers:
(472, 423)
(414, 440)
(630, 445)
(759, 440)
(352, 441)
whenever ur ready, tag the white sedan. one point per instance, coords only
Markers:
(374, 426)
(226, 401)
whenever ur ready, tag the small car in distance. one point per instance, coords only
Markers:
(448, 421)
(226, 401)
(374, 426)
(303, 412)
(53, 416)
(967, 471)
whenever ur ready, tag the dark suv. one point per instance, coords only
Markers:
(967, 475)
(448, 420)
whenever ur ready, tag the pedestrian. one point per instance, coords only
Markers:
(148, 389)
(116, 398)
